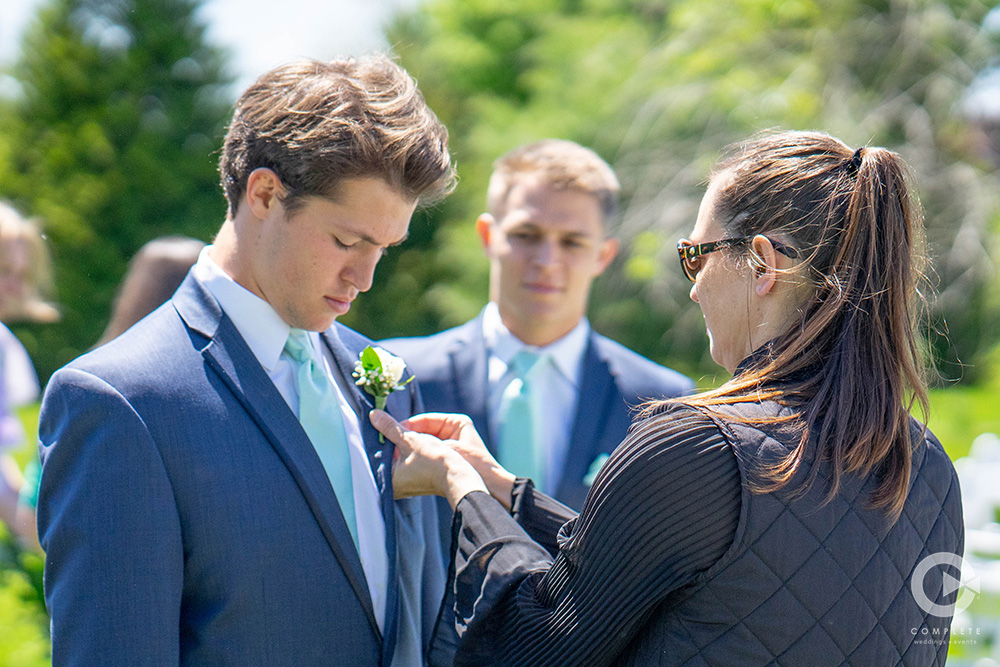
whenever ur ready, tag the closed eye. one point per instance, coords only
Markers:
(524, 237)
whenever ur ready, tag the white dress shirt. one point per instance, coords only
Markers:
(265, 333)
(559, 382)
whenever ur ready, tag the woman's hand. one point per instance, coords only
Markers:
(460, 433)
(427, 463)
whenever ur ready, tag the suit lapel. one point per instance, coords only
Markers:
(361, 401)
(596, 397)
(380, 456)
(469, 377)
(229, 356)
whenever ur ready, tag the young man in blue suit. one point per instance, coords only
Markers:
(212, 489)
(550, 396)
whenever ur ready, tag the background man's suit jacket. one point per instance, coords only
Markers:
(188, 519)
(451, 368)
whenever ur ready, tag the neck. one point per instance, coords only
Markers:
(224, 250)
(535, 335)
(777, 315)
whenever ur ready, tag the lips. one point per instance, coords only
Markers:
(339, 305)
(542, 288)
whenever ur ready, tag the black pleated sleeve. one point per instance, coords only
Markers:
(663, 509)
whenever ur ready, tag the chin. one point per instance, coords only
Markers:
(315, 324)
(717, 357)
(712, 350)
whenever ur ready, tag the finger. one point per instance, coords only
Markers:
(443, 425)
(389, 427)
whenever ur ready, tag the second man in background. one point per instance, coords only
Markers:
(551, 396)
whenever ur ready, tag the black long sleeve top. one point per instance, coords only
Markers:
(547, 587)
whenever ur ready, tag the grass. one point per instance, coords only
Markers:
(29, 417)
(959, 414)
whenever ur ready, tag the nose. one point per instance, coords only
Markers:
(546, 253)
(694, 293)
(360, 270)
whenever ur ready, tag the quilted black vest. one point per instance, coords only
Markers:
(808, 584)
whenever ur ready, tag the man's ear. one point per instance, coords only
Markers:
(484, 227)
(763, 263)
(606, 254)
(263, 192)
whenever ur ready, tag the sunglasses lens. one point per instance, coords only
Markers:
(690, 265)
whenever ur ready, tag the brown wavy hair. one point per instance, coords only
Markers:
(154, 274)
(317, 123)
(851, 369)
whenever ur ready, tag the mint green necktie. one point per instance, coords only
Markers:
(319, 414)
(520, 449)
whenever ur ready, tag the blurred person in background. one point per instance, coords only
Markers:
(551, 397)
(154, 273)
(26, 290)
(797, 514)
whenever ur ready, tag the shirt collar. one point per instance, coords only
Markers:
(566, 352)
(260, 325)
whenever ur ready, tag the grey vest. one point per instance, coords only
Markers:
(807, 584)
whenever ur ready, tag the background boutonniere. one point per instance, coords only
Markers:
(379, 373)
(595, 468)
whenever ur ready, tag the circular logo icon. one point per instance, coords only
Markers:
(969, 584)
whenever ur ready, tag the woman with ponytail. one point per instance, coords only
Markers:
(796, 515)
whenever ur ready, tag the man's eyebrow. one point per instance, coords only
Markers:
(531, 225)
(400, 241)
(369, 239)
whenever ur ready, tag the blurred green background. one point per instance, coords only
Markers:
(110, 138)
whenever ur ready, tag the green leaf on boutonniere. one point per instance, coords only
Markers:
(370, 358)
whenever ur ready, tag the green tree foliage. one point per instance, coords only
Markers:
(658, 87)
(111, 144)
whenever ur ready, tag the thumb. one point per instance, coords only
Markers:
(392, 429)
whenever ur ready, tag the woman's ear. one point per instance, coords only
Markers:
(763, 262)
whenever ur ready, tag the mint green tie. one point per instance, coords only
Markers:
(520, 449)
(319, 414)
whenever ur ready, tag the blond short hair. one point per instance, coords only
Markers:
(36, 303)
(561, 165)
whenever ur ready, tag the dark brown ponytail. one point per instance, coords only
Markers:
(852, 368)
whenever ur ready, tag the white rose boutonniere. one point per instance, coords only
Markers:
(379, 373)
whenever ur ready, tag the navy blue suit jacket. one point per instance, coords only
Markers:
(451, 369)
(187, 518)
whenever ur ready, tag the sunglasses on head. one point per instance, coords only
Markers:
(690, 255)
